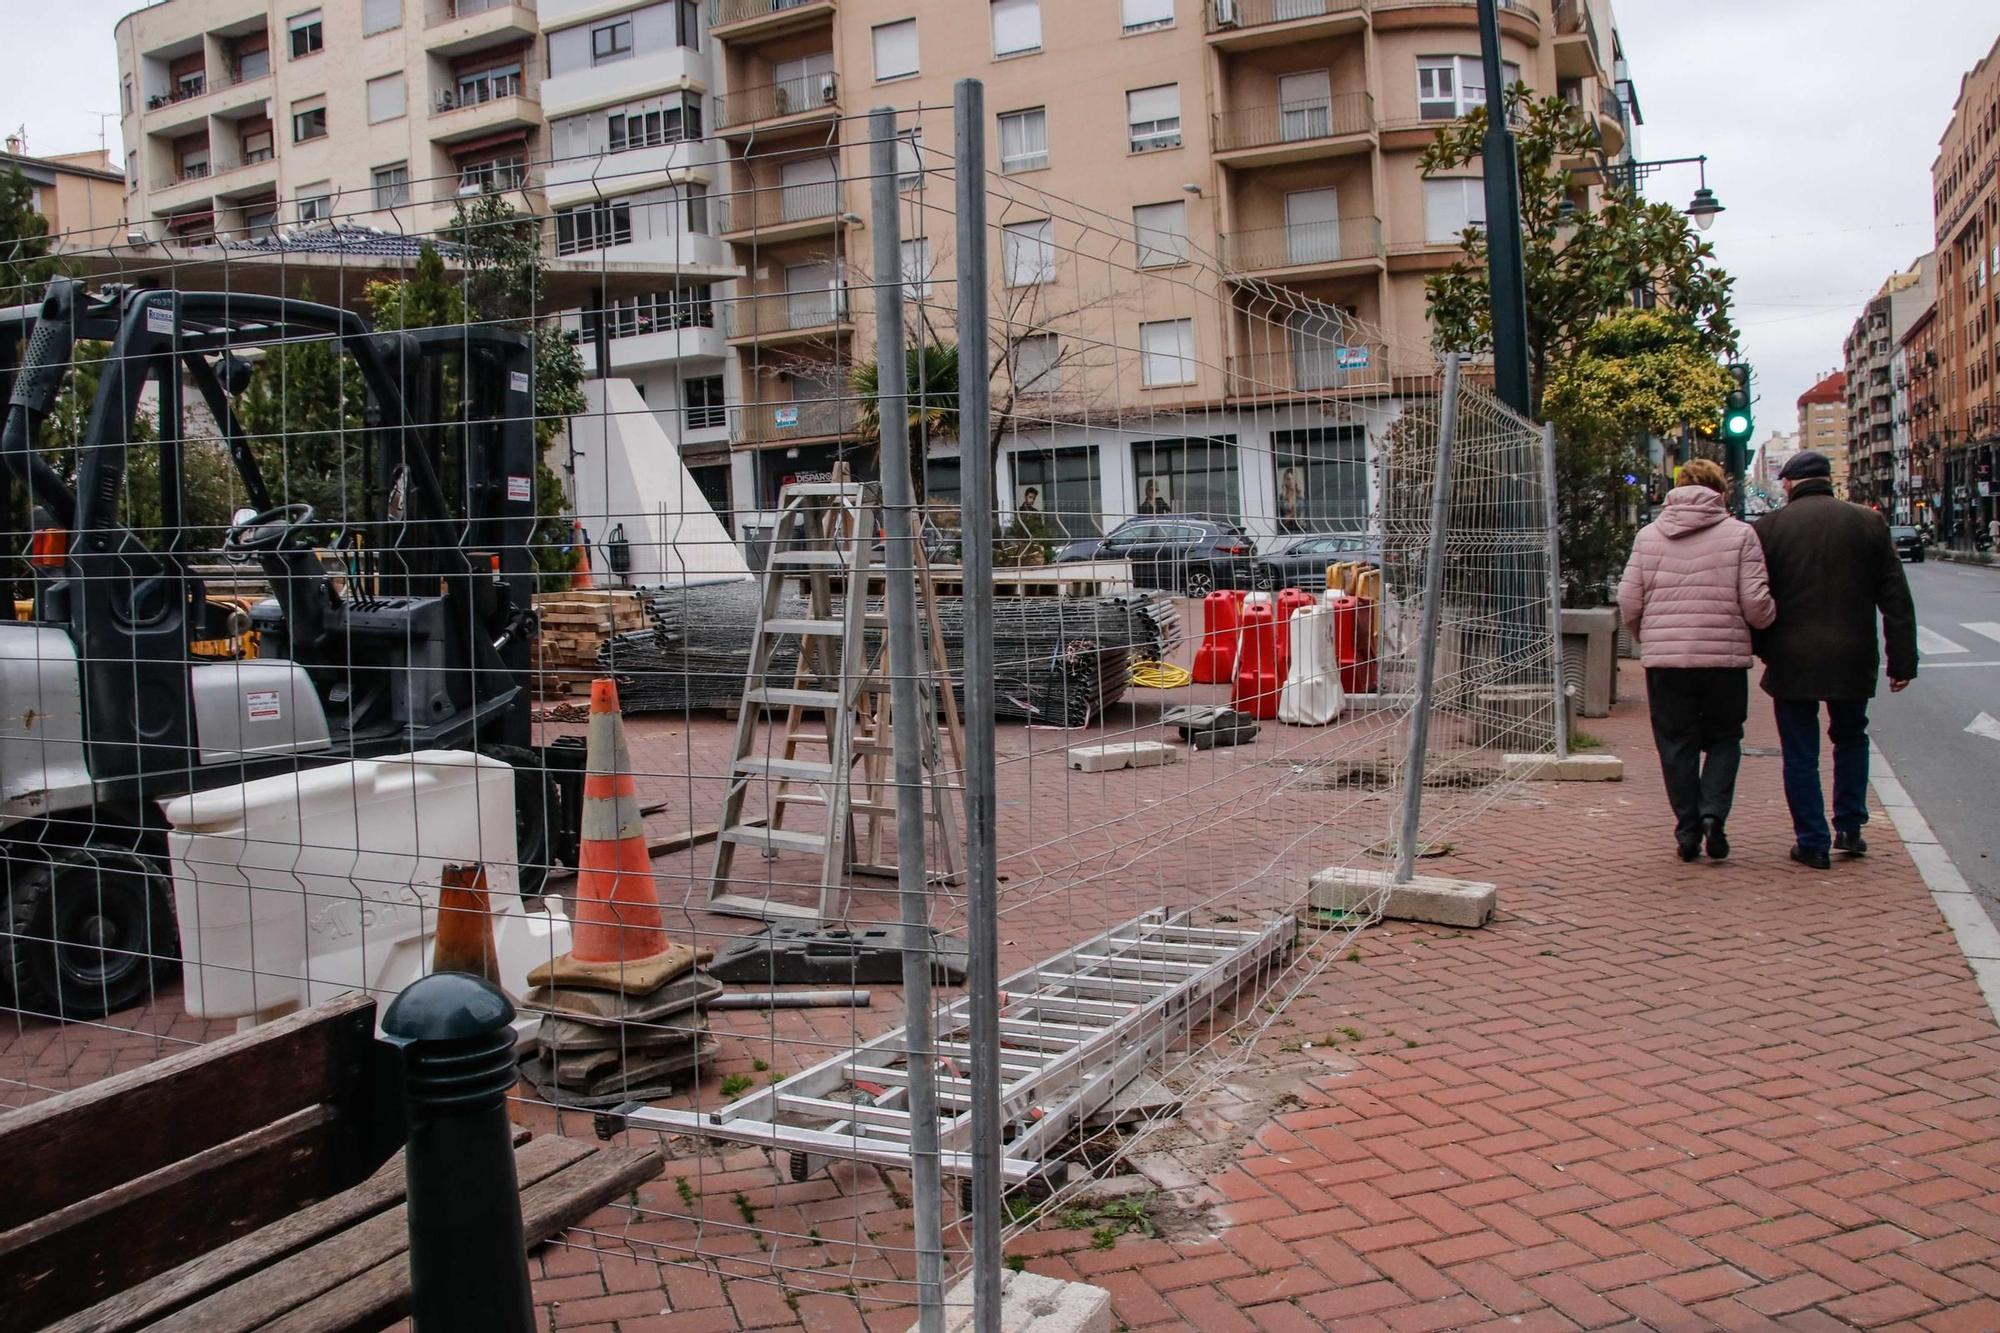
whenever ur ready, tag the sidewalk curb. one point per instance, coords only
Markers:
(1978, 938)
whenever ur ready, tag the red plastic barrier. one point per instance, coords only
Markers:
(1344, 610)
(1215, 659)
(1289, 602)
(1255, 690)
(1367, 666)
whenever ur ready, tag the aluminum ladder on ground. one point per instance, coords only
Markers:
(1075, 1030)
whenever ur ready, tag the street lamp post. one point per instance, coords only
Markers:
(1507, 279)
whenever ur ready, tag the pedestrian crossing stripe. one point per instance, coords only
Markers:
(1988, 628)
(1933, 644)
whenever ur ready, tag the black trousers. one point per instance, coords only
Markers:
(1698, 715)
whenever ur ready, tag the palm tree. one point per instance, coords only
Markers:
(932, 376)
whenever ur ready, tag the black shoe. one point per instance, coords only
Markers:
(1807, 856)
(1717, 840)
(1852, 843)
(1689, 844)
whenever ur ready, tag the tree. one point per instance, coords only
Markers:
(26, 264)
(931, 370)
(302, 412)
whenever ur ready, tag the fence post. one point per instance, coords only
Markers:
(900, 576)
(1420, 714)
(1554, 514)
(976, 512)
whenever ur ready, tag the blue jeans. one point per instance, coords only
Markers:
(1798, 732)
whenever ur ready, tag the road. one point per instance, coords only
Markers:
(1953, 774)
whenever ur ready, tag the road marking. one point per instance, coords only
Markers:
(1946, 666)
(1985, 725)
(1933, 644)
(1989, 628)
(1977, 937)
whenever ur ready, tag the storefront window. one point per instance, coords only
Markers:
(1057, 495)
(1322, 479)
(1196, 477)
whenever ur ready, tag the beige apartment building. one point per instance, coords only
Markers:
(1279, 138)
(1823, 423)
(1877, 445)
(241, 116)
(80, 195)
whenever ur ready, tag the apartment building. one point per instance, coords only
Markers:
(239, 117)
(1965, 202)
(80, 195)
(1772, 455)
(1823, 423)
(1877, 432)
(1918, 414)
(1279, 136)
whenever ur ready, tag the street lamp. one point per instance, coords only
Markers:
(1704, 208)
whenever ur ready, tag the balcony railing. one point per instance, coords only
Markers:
(212, 170)
(809, 92)
(776, 206)
(1224, 15)
(786, 312)
(453, 10)
(1303, 245)
(1295, 122)
(212, 81)
(772, 423)
(1573, 17)
(1310, 365)
(447, 100)
(738, 11)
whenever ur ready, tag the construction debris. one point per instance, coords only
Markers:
(1205, 726)
(789, 953)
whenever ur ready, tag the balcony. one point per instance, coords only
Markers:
(461, 27)
(800, 101)
(786, 423)
(215, 94)
(1576, 41)
(769, 214)
(1295, 131)
(778, 317)
(1312, 367)
(1241, 25)
(501, 104)
(1612, 125)
(737, 20)
(1306, 249)
(1518, 18)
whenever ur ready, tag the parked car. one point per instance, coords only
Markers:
(1174, 552)
(1302, 563)
(1909, 543)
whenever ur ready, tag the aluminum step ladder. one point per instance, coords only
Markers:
(1075, 1030)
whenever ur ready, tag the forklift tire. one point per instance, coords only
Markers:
(89, 932)
(535, 803)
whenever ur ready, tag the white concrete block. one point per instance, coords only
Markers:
(1576, 768)
(1434, 899)
(1032, 1303)
(1126, 754)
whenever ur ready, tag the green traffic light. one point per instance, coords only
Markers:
(1737, 423)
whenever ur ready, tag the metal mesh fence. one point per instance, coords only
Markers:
(318, 541)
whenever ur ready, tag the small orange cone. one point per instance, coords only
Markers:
(464, 940)
(617, 941)
(580, 576)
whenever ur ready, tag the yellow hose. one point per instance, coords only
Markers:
(1152, 675)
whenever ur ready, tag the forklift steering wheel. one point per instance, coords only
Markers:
(268, 531)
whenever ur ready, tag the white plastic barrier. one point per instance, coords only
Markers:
(1310, 695)
(294, 888)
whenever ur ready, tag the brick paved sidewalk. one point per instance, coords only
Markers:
(1647, 1095)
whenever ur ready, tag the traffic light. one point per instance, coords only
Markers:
(1737, 422)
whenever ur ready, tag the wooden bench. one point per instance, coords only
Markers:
(254, 1182)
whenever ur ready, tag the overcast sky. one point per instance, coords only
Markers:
(1820, 119)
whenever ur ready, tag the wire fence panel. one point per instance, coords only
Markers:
(317, 542)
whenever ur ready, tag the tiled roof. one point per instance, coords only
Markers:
(344, 238)
(1832, 389)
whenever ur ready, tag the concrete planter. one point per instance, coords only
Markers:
(1590, 657)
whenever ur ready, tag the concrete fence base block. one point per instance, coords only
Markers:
(1576, 768)
(1128, 754)
(1032, 1303)
(1438, 901)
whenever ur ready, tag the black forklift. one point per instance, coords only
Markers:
(403, 623)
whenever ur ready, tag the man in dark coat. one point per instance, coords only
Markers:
(1833, 569)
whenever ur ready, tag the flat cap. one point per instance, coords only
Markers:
(1804, 464)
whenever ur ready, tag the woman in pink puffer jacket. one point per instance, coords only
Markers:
(1695, 588)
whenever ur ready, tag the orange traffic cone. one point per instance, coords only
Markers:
(616, 939)
(580, 576)
(464, 940)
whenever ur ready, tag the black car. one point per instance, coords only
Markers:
(1302, 562)
(1909, 543)
(1174, 552)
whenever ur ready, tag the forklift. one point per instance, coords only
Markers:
(404, 624)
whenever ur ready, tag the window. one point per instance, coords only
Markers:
(128, 94)
(1450, 86)
(1322, 479)
(1056, 492)
(191, 157)
(486, 85)
(1162, 234)
(1028, 253)
(386, 98)
(910, 160)
(132, 170)
(1035, 358)
(380, 16)
(916, 269)
(392, 185)
(253, 62)
(1188, 476)
(261, 219)
(593, 227)
(895, 50)
(676, 119)
(1153, 116)
(505, 172)
(611, 41)
(704, 403)
(696, 194)
(309, 119)
(1450, 206)
(316, 202)
(691, 307)
(1166, 352)
(1143, 14)
(307, 36)
(1017, 26)
(1024, 140)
